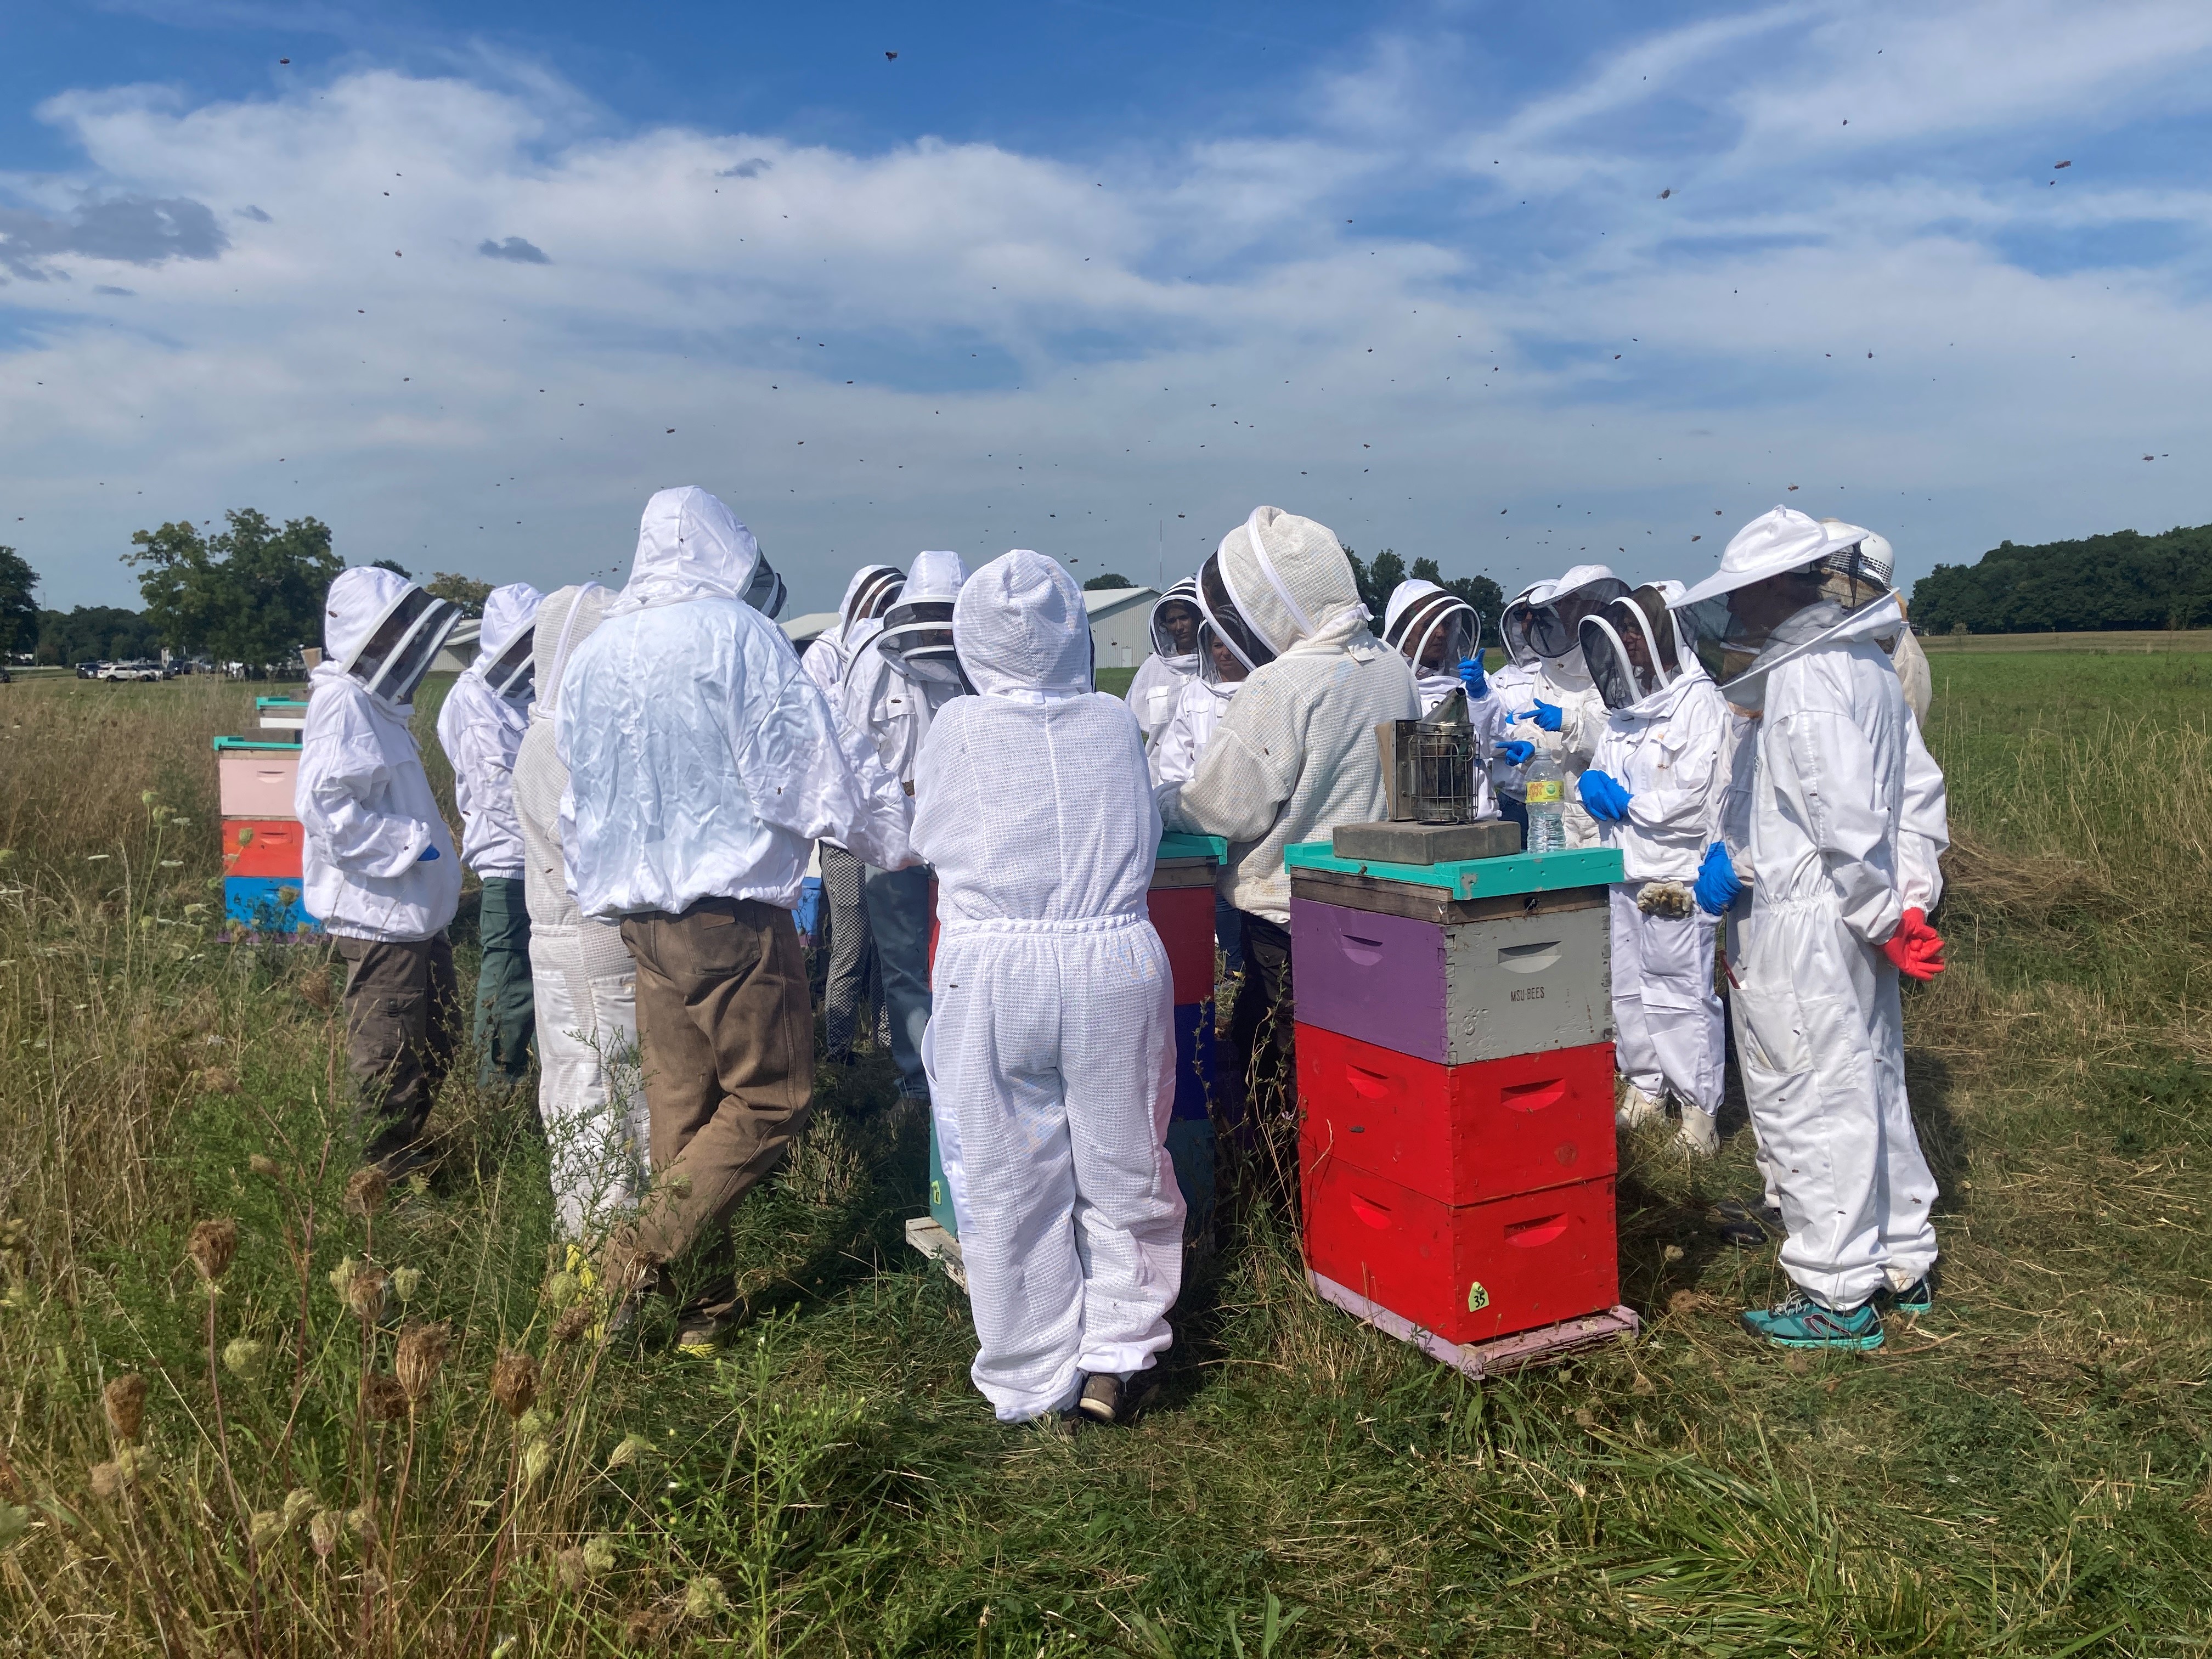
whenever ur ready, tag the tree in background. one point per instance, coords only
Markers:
(91, 632)
(459, 590)
(394, 567)
(1478, 591)
(1099, 584)
(19, 607)
(252, 594)
(2121, 580)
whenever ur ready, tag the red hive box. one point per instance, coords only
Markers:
(1460, 1134)
(261, 847)
(1469, 1272)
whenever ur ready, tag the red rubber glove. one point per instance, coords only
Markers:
(1914, 948)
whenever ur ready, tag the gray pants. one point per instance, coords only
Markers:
(400, 1004)
(898, 916)
(850, 955)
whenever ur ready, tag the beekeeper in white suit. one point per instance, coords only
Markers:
(1514, 685)
(701, 764)
(480, 726)
(1567, 716)
(1051, 1054)
(1295, 755)
(378, 862)
(893, 689)
(1440, 636)
(591, 1097)
(873, 590)
(1655, 784)
(1789, 628)
(1174, 663)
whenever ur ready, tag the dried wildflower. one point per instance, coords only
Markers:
(262, 1164)
(628, 1450)
(107, 1479)
(125, 1399)
(515, 1382)
(299, 1504)
(366, 1191)
(382, 1399)
(361, 1522)
(212, 1246)
(242, 1357)
(266, 1528)
(576, 1319)
(560, 1290)
(598, 1555)
(323, 1532)
(134, 1460)
(570, 1564)
(422, 1352)
(315, 991)
(406, 1281)
(534, 1424)
(703, 1597)
(537, 1458)
(364, 1294)
(341, 1276)
(219, 1080)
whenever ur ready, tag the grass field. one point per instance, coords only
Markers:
(2024, 1472)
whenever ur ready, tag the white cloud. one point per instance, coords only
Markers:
(1070, 355)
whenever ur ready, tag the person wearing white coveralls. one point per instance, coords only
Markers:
(1174, 757)
(889, 703)
(1568, 716)
(701, 764)
(480, 726)
(1790, 627)
(1514, 685)
(1294, 756)
(1436, 631)
(377, 863)
(1174, 664)
(1655, 783)
(851, 968)
(591, 1097)
(1051, 1053)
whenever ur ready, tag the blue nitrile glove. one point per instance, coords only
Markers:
(1545, 714)
(1476, 682)
(1717, 884)
(1518, 751)
(1603, 797)
(429, 855)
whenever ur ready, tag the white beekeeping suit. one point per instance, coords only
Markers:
(1514, 684)
(651, 825)
(1790, 627)
(1436, 631)
(1665, 733)
(591, 1098)
(1051, 1053)
(1563, 682)
(872, 590)
(481, 726)
(1174, 759)
(1161, 677)
(890, 706)
(362, 798)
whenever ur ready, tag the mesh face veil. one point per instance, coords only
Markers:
(1670, 651)
(767, 593)
(1552, 626)
(1435, 633)
(1612, 669)
(1513, 631)
(878, 594)
(1218, 607)
(917, 641)
(1185, 594)
(399, 648)
(513, 674)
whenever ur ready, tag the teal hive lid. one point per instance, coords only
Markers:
(1177, 845)
(1468, 878)
(225, 746)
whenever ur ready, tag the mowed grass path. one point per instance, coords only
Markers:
(2025, 1472)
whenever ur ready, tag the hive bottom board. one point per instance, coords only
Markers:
(1545, 1346)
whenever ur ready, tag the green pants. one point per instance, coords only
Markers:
(507, 1017)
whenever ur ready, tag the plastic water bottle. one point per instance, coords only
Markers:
(1545, 785)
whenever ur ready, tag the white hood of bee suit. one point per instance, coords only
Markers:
(1022, 631)
(566, 618)
(689, 546)
(357, 598)
(1784, 540)
(861, 578)
(1402, 597)
(1184, 593)
(932, 575)
(1292, 584)
(507, 612)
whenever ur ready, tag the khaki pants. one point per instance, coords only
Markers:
(399, 1007)
(726, 1024)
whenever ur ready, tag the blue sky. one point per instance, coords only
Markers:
(1510, 286)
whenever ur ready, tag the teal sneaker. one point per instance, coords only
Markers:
(1798, 1321)
(1917, 1298)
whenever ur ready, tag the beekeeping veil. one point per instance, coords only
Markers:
(1184, 593)
(767, 592)
(917, 636)
(1434, 631)
(1513, 624)
(1554, 625)
(383, 631)
(1287, 582)
(565, 619)
(505, 646)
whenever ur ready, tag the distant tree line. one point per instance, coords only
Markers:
(2121, 581)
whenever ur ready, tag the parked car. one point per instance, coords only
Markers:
(89, 671)
(139, 669)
